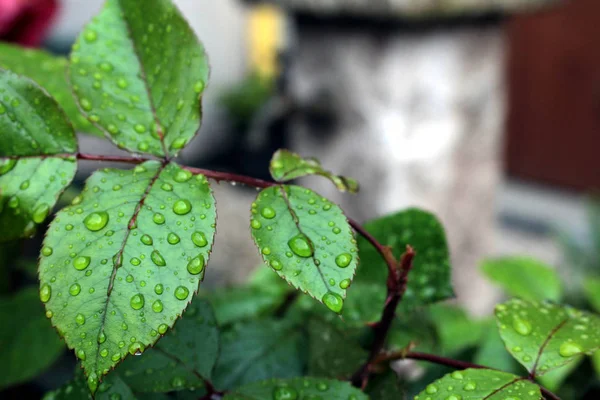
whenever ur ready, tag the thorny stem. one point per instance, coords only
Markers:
(448, 362)
(396, 286)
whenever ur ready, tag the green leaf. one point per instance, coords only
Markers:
(50, 72)
(122, 262)
(545, 336)
(596, 362)
(591, 288)
(28, 344)
(242, 303)
(333, 353)
(414, 328)
(183, 359)
(492, 352)
(307, 240)
(429, 280)
(456, 330)
(259, 350)
(554, 379)
(139, 73)
(385, 386)
(113, 388)
(286, 166)
(298, 388)
(481, 384)
(524, 277)
(36, 157)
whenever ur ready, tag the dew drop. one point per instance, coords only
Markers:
(178, 143)
(80, 319)
(300, 246)
(569, 349)
(47, 251)
(196, 265)
(92, 382)
(167, 187)
(177, 382)
(137, 301)
(172, 238)
(96, 221)
(345, 284)
(199, 87)
(182, 207)
(81, 263)
(147, 240)
(285, 393)
(181, 292)
(199, 239)
(162, 328)
(431, 389)
(159, 289)
(157, 306)
(123, 84)
(158, 218)
(7, 165)
(75, 289)
(333, 301)
(182, 176)
(470, 386)
(276, 265)
(101, 337)
(40, 213)
(86, 104)
(522, 326)
(81, 354)
(157, 259)
(255, 224)
(268, 213)
(343, 260)
(90, 36)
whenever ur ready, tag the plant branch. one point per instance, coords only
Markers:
(396, 286)
(448, 362)
(122, 159)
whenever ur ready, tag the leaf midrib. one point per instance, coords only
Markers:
(143, 77)
(123, 244)
(297, 223)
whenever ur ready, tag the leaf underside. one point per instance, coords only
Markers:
(139, 73)
(286, 166)
(307, 240)
(122, 262)
(298, 388)
(50, 72)
(478, 384)
(545, 336)
(36, 157)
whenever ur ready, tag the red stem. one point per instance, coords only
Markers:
(122, 159)
(396, 286)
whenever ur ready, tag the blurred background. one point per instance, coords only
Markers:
(486, 112)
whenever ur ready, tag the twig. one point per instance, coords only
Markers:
(121, 159)
(396, 287)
